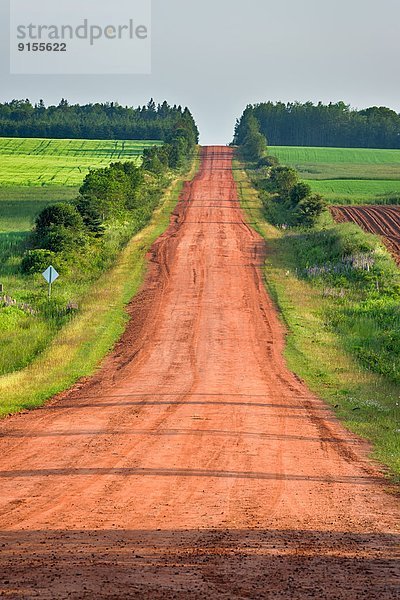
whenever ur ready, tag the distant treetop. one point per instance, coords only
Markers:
(20, 118)
(335, 124)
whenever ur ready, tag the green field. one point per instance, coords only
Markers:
(19, 205)
(35, 173)
(346, 175)
(55, 359)
(43, 162)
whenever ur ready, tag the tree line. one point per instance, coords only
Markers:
(334, 124)
(117, 200)
(286, 199)
(21, 118)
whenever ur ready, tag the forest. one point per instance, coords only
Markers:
(122, 192)
(21, 118)
(334, 124)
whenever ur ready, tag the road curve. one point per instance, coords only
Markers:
(194, 464)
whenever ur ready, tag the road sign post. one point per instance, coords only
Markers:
(50, 275)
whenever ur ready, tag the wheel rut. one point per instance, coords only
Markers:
(194, 464)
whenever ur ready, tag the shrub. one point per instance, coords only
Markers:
(177, 153)
(36, 261)
(155, 159)
(59, 215)
(254, 146)
(282, 180)
(90, 211)
(116, 187)
(299, 192)
(268, 161)
(11, 317)
(59, 239)
(309, 209)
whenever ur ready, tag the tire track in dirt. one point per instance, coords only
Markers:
(194, 464)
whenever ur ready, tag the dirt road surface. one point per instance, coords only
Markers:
(195, 465)
(380, 220)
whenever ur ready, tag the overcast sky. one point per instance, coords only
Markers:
(216, 56)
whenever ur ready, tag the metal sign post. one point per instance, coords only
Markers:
(50, 275)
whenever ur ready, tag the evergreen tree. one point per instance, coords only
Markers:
(335, 124)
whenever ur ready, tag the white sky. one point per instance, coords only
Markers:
(216, 56)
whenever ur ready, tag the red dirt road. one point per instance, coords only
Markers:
(195, 465)
(381, 220)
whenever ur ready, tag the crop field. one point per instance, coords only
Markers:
(35, 173)
(48, 162)
(19, 205)
(380, 220)
(346, 175)
(356, 191)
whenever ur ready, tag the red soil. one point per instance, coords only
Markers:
(195, 465)
(381, 220)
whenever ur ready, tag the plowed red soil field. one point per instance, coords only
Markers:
(381, 220)
(194, 464)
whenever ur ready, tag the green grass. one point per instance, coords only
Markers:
(356, 191)
(31, 334)
(48, 162)
(23, 336)
(36, 172)
(343, 330)
(346, 175)
(76, 349)
(313, 155)
(19, 205)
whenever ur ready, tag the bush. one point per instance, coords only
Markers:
(60, 239)
(276, 212)
(90, 211)
(282, 180)
(299, 192)
(309, 209)
(116, 187)
(268, 161)
(332, 244)
(254, 146)
(11, 318)
(155, 159)
(177, 153)
(62, 214)
(36, 261)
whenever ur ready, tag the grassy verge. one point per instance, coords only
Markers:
(28, 321)
(323, 322)
(78, 347)
(23, 337)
